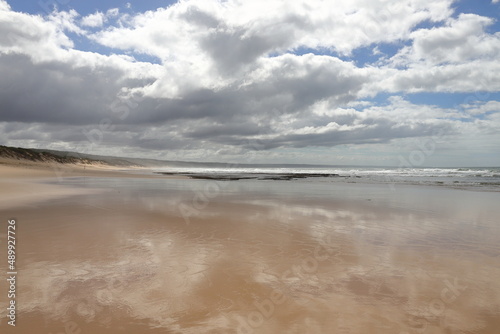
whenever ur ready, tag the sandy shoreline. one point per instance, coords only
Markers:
(125, 253)
(21, 181)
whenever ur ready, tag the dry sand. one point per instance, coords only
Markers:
(125, 260)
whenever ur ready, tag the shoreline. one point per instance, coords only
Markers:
(24, 182)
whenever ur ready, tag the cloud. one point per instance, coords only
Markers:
(57, 92)
(94, 20)
(98, 19)
(235, 78)
(31, 35)
(450, 58)
(4, 5)
(66, 21)
(324, 127)
(460, 78)
(113, 12)
(212, 45)
(45, 80)
(460, 40)
(244, 31)
(488, 108)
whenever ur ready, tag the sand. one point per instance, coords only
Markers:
(115, 252)
(21, 182)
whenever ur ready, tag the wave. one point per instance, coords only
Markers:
(342, 171)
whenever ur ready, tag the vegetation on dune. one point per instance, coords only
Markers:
(19, 153)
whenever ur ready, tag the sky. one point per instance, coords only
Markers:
(406, 83)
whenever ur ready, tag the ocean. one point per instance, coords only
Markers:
(486, 179)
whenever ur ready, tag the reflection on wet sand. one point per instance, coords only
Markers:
(129, 263)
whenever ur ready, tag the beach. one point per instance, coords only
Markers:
(101, 250)
(250, 167)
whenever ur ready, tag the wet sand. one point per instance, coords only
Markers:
(115, 254)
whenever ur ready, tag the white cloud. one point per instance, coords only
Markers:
(462, 39)
(98, 19)
(66, 21)
(4, 5)
(94, 20)
(213, 44)
(31, 35)
(45, 80)
(450, 58)
(481, 108)
(44, 40)
(113, 12)
(451, 78)
(195, 26)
